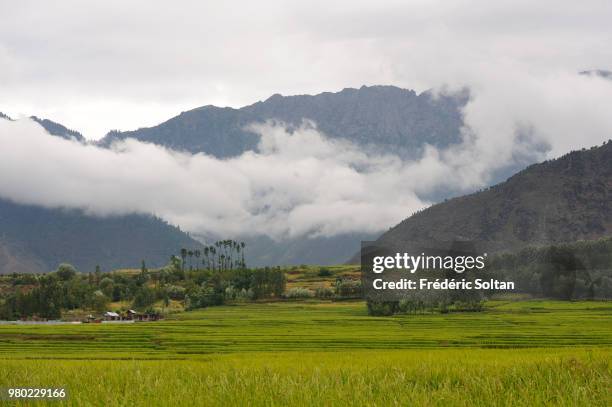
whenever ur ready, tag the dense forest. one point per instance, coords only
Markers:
(559, 201)
(580, 270)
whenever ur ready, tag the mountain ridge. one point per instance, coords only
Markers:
(556, 201)
(37, 239)
(385, 116)
(57, 129)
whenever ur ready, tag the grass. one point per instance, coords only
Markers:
(309, 277)
(317, 353)
(446, 377)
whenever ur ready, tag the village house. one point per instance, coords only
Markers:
(111, 316)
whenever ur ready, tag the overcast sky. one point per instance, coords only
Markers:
(101, 65)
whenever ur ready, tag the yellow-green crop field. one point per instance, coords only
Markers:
(321, 353)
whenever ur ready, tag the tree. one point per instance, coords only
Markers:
(242, 245)
(97, 275)
(144, 297)
(107, 286)
(184, 257)
(190, 254)
(99, 301)
(206, 258)
(558, 272)
(197, 254)
(66, 271)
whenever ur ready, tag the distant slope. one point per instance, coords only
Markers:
(15, 259)
(57, 129)
(383, 116)
(53, 128)
(35, 239)
(603, 73)
(562, 200)
(263, 251)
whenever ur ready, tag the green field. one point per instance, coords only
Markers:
(323, 353)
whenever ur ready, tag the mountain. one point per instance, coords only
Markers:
(263, 251)
(563, 200)
(385, 117)
(53, 128)
(36, 239)
(57, 129)
(603, 73)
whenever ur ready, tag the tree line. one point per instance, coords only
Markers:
(223, 276)
(220, 256)
(578, 270)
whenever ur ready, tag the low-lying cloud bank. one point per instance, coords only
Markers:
(296, 184)
(300, 183)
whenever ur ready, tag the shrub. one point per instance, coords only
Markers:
(348, 288)
(175, 292)
(298, 292)
(244, 295)
(203, 297)
(324, 272)
(382, 308)
(324, 292)
(144, 297)
(99, 301)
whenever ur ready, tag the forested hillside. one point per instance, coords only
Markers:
(562, 200)
(36, 239)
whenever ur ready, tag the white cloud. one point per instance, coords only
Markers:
(298, 184)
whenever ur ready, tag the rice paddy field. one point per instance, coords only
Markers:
(323, 353)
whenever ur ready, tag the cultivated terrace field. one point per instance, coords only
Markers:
(325, 353)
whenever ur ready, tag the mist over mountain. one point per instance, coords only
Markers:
(378, 118)
(434, 152)
(562, 200)
(381, 117)
(34, 239)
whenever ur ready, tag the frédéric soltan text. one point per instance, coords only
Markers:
(442, 284)
(412, 264)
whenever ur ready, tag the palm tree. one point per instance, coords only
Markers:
(183, 256)
(197, 253)
(213, 251)
(242, 246)
(190, 254)
(206, 251)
